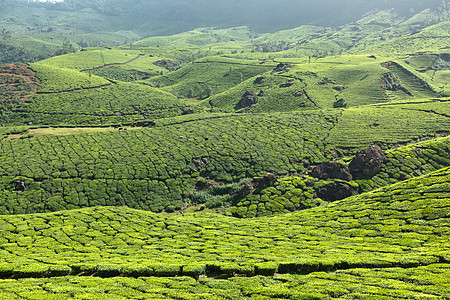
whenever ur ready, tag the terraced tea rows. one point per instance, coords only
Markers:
(219, 164)
(296, 84)
(403, 225)
(376, 124)
(146, 168)
(156, 168)
(114, 104)
(67, 96)
(433, 38)
(86, 60)
(303, 191)
(56, 80)
(391, 283)
(209, 76)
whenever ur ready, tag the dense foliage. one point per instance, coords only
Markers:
(302, 191)
(155, 168)
(404, 225)
(310, 163)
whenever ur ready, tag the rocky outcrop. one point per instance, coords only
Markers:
(368, 162)
(166, 63)
(331, 169)
(248, 99)
(336, 191)
(281, 67)
(259, 80)
(187, 111)
(19, 185)
(391, 82)
(339, 88)
(287, 84)
(266, 181)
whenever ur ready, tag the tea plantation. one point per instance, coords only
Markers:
(157, 168)
(403, 225)
(312, 163)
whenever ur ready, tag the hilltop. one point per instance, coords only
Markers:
(49, 29)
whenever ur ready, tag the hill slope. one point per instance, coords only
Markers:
(403, 225)
(155, 168)
(309, 163)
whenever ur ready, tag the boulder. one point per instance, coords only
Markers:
(268, 180)
(166, 63)
(339, 88)
(259, 80)
(287, 84)
(331, 169)
(310, 183)
(368, 162)
(247, 189)
(187, 111)
(281, 67)
(19, 185)
(248, 99)
(336, 191)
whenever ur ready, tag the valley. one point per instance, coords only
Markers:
(219, 163)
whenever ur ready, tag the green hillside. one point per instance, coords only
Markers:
(209, 76)
(429, 39)
(304, 191)
(156, 168)
(243, 150)
(200, 37)
(371, 232)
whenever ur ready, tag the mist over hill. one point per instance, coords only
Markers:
(35, 30)
(158, 17)
(216, 150)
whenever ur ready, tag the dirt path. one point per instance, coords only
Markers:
(116, 64)
(78, 89)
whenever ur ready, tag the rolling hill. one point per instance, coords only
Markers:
(307, 163)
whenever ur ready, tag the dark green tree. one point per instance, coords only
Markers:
(339, 103)
(6, 36)
(66, 47)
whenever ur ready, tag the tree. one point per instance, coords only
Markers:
(6, 36)
(65, 48)
(339, 103)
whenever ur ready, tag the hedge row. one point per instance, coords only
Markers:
(392, 283)
(402, 225)
(158, 166)
(299, 192)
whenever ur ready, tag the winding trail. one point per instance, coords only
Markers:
(77, 89)
(115, 64)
